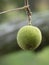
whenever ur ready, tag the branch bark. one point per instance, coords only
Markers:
(28, 11)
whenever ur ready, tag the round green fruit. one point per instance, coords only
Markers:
(29, 37)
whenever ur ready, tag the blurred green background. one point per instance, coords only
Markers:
(11, 22)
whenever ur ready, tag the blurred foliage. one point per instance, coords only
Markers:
(26, 58)
(2, 3)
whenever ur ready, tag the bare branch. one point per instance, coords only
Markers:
(26, 7)
(21, 8)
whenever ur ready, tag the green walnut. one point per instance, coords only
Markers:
(29, 37)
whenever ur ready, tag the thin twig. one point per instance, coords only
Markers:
(21, 8)
(28, 11)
